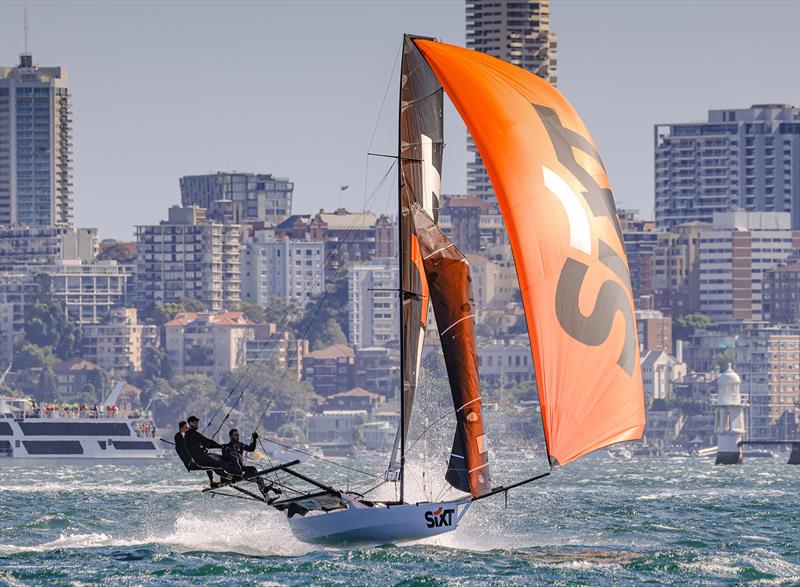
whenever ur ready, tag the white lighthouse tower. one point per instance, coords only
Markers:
(730, 424)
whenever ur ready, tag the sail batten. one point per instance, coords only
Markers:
(556, 201)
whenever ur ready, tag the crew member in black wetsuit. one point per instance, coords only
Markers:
(183, 452)
(233, 452)
(197, 445)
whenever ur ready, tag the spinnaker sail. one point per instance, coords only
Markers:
(558, 208)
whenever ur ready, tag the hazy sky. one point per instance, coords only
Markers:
(168, 89)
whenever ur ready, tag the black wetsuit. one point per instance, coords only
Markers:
(197, 446)
(233, 456)
(183, 452)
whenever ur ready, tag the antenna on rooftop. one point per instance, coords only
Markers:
(26, 28)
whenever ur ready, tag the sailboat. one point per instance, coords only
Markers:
(558, 208)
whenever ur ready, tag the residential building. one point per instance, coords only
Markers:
(660, 371)
(279, 350)
(503, 362)
(117, 343)
(655, 331)
(35, 145)
(253, 196)
(20, 290)
(354, 399)
(781, 289)
(330, 370)
(187, 256)
(7, 333)
(640, 238)
(352, 237)
(735, 256)
(89, 291)
(378, 369)
(518, 33)
(740, 158)
(292, 270)
(494, 283)
(336, 427)
(36, 245)
(73, 375)
(676, 269)
(768, 361)
(373, 302)
(471, 223)
(206, 343)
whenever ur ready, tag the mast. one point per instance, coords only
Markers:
(400, 291)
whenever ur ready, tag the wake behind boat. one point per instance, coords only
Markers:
(567, 243)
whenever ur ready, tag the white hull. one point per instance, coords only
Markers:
(380, 524)
(75, 438)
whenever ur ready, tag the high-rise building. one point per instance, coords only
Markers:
(675, 268)
(746, 158)
(34, 245)
(640, 239)
(372, 303)
(292, 270)
(516, 32)
(734, 258)
(768, 361)
(90, 292)
(187, 256)
(35, 145)
(255, 196)
(117, 343)
(782, 294)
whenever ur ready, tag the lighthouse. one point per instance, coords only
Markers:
(730, 425)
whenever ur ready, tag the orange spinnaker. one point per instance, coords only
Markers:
(556, 202)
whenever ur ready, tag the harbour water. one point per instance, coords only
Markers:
(595, 521)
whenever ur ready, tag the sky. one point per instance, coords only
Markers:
(165, 89)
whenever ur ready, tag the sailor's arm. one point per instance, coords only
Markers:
(207, 442)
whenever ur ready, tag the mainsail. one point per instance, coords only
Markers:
(432, 267)
(559, 212)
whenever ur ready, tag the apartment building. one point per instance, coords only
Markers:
(745, 159)
(188, 256)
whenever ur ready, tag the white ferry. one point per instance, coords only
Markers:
(31, 431)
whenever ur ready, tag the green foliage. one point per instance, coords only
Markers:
(31, 356)
(327, 306)
(281, 312)
(155, 365)
(160, 314)
(253, 312)
(116, 251)
(47, 390)
(88, 394)
(683, 327)
(330, 333)
(514, 393)
(46, 325)
(491, 326)
(100, 381)
(723, 358)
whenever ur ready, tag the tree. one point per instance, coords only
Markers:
(47, 391)
(100, 382)
(253, 312)
(155, 365)
(685, 326)
(724, 358)
(282, 312)
(330, 333)
(31, 356)
(46, 325)
(491, 326)
(329, 305)
(160, 314)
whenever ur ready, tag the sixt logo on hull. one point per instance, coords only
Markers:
(439, 518)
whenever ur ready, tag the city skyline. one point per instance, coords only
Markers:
(123, 177)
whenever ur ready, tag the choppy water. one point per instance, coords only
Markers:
(594, 521)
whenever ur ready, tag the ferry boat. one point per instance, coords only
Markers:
(32, 431)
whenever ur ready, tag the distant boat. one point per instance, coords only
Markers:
(555, 199)
(32, 431)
